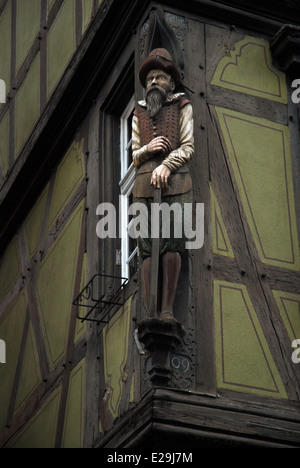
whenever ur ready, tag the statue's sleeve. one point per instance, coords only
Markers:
(185, 152)
(139, 152)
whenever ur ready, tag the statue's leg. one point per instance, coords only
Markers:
(146, 275)
(171, 265)
(146, 278)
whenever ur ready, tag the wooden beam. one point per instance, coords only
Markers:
(252, 270)
(96, 55)
(153, 295)
(205, 419)
(285, 48)
(256, 106)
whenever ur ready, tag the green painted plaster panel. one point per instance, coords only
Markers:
(70, 174)
(243, 359)
(4, 144)
(40, 431)
(115, 349)
(289, 307)
(249, 70)
(10, 268)
(87, 8)
(27, 105)
(61, 44)
(55, 286)
(260, 156)
(27, 27)
(33, 223)
(11, 331)
(30, 375)
(73, 430)
(5, 41)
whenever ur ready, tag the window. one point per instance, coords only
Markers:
(129, 250)
(117, 256)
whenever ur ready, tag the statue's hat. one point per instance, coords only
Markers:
(162, 60)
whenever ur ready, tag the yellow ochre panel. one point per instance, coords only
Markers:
(27, 105)
(40, 431)
(115, 349)
(260, 156)
(10, 267)
(28, 25)
(55, 285)
(289, 307)
(73, 430)
(30, 375)
(11, 331)
(243, 359)
(70, 174)
(33, 223)
(87, 8)
(61, 43)
(249, 70)
(5, 41)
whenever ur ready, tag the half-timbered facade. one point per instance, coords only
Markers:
(78, 371)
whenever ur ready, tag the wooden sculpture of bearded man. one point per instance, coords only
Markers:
(162, 144)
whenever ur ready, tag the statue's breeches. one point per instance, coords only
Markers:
(171, 232)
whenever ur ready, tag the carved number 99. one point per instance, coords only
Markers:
(180, 363)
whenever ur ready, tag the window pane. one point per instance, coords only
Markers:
(129, 246)
(129, 147)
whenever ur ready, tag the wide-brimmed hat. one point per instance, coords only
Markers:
(162, 60)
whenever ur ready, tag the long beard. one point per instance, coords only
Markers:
(155, 98)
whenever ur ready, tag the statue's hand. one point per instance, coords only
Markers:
(160, 177)
(159, 144)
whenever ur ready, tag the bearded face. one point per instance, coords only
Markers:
(158, 86)
(155, 98)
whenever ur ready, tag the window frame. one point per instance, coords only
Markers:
(118, 95)
(127, 177)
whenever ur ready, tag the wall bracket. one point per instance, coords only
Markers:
(92, 300)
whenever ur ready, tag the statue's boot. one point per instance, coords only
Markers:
(171, 265)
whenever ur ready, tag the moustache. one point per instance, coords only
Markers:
(156, 87)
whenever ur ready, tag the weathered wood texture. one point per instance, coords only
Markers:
(40, 396)
(103, 173)
(201, 259)
(255, 106)
(92, 369)
(226, 416)
(83, 78)
(229, 419)
(60, 375)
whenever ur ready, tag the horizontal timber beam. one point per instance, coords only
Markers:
(206, 421)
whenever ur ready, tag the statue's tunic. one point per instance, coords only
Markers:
(175, 122)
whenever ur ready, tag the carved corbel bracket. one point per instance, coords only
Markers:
(285, 48)
(161, 339)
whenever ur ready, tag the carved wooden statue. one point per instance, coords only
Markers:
(162, 142)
